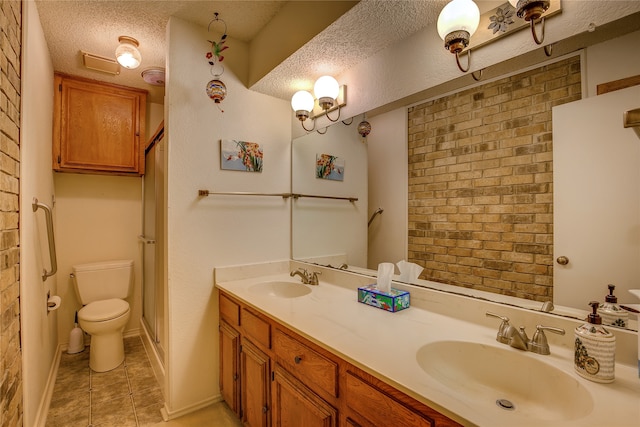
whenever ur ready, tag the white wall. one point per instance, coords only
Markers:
(98, 219)
(324, 227)
(203, 233)
(39, 335)
(388, 187)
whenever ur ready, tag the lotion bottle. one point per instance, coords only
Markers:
(611, 313)
(595, 349)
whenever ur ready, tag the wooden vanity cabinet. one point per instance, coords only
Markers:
(98, 127)
(287, 380)
(229, 366)
(255, 374)
(295, 404)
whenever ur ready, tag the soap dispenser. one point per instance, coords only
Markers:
(611, 313)
(595, 349)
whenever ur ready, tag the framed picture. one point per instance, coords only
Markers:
(329, 167)
(240, 155)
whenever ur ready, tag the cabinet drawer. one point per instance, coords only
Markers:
(229, 310)
(383, 409)
(255, 327)
(314, 369)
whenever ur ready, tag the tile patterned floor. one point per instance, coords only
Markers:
(128, 396)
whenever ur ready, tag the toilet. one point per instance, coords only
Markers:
(102, 288)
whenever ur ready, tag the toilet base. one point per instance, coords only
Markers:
(106, 352)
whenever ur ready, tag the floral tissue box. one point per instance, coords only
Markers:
(394, 301)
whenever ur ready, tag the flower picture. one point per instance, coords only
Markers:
(329, 167)
(240, 155)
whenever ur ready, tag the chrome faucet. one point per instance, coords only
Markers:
(508, 334)
(306, 277)
(517, 338)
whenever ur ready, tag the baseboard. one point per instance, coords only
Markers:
(167, 414)
(43, 408)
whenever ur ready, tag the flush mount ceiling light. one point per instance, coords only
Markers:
(330, 96)
(127, 52)
(531, 10)
(457, 22)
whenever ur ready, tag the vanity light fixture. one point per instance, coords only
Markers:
(330, 96)
(127, 52)
(530, 11)
(457, 22)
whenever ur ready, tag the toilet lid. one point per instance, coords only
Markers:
(107, 309)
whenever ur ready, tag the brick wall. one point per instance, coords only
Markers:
(10, 351)
(481, 182)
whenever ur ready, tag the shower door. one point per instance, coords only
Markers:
(152, 278)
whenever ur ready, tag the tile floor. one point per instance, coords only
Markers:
(126, 396)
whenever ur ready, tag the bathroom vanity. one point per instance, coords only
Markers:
(294, 354)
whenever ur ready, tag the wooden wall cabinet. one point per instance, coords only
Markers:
(287, 380)
(98, 127)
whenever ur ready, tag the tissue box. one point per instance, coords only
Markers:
(394, 301)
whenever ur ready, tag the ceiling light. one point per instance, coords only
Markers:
(127, 52)
(153, 76)
(531, 10)
(457, 22)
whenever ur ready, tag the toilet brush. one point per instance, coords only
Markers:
(76, 339)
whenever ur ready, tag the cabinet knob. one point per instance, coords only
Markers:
(265, 408)
(562, 260)
(297, 359)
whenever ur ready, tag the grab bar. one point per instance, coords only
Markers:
(52, 242)
(377, 212)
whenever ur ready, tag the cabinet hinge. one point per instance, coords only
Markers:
(59, 159)
(273, 376)
(240, 348)
(60, 87)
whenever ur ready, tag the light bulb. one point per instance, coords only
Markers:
(127, 52)
(458, 15)
(302, 103)
(326, 90)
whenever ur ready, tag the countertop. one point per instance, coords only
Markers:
(385, 344)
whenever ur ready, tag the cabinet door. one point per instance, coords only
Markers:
(295, 405)
(229, 356)
(254, 374)
(98, 127)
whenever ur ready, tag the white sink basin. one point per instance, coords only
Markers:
(282, 289)
(484, 375)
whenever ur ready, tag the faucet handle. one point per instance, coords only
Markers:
(538, 343)
(501, 336)
(314, 277)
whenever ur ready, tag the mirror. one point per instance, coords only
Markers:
(563, 308)
(328, 228)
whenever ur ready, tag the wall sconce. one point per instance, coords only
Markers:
(127, 52)
(330, 96)
(531, 10)
(457, 22)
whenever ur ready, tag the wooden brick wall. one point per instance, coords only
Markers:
(10, 350)
(481, 182)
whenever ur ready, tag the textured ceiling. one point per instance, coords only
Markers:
(94, 26)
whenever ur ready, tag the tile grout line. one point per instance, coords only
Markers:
(90, 397)
(133, 404)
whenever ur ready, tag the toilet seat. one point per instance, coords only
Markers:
(100, 311)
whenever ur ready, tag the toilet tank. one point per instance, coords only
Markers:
(103, 280)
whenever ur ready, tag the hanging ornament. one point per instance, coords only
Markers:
(214, 55)
(364, 127)
(216, 90)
